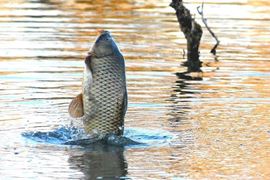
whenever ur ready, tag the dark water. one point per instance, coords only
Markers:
(219, 118)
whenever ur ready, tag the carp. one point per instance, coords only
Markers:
(102, 105)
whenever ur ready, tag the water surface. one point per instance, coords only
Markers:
(219, 117)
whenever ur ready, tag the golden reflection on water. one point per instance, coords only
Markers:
(219, 116)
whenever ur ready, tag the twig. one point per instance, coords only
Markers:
(204, 20)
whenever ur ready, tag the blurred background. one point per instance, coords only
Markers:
(219, 116)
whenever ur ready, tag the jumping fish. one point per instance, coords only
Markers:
(102, 105)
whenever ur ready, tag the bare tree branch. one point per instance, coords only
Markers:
(204, 20)
(192, 31)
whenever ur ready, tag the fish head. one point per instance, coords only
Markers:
(104, 45)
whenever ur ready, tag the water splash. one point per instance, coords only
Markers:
(66, 135)
(60, 135)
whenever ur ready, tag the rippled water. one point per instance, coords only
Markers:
(219, 117)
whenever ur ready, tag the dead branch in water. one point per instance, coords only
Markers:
(204, 20)
(192, 31)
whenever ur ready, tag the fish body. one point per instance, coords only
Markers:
(103, 102)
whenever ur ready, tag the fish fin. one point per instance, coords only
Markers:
(124, 110)
(75, 108)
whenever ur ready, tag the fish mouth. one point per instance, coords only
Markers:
(104, 45)
(103, 36)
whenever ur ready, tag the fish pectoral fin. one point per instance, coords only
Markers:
(75, 108)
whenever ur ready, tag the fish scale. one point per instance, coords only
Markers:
(104, 113)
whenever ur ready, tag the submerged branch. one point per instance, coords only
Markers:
(204, 20)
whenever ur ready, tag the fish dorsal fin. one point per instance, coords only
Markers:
(75, 108)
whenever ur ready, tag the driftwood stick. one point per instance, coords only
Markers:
(192, 31)
(204, 20)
